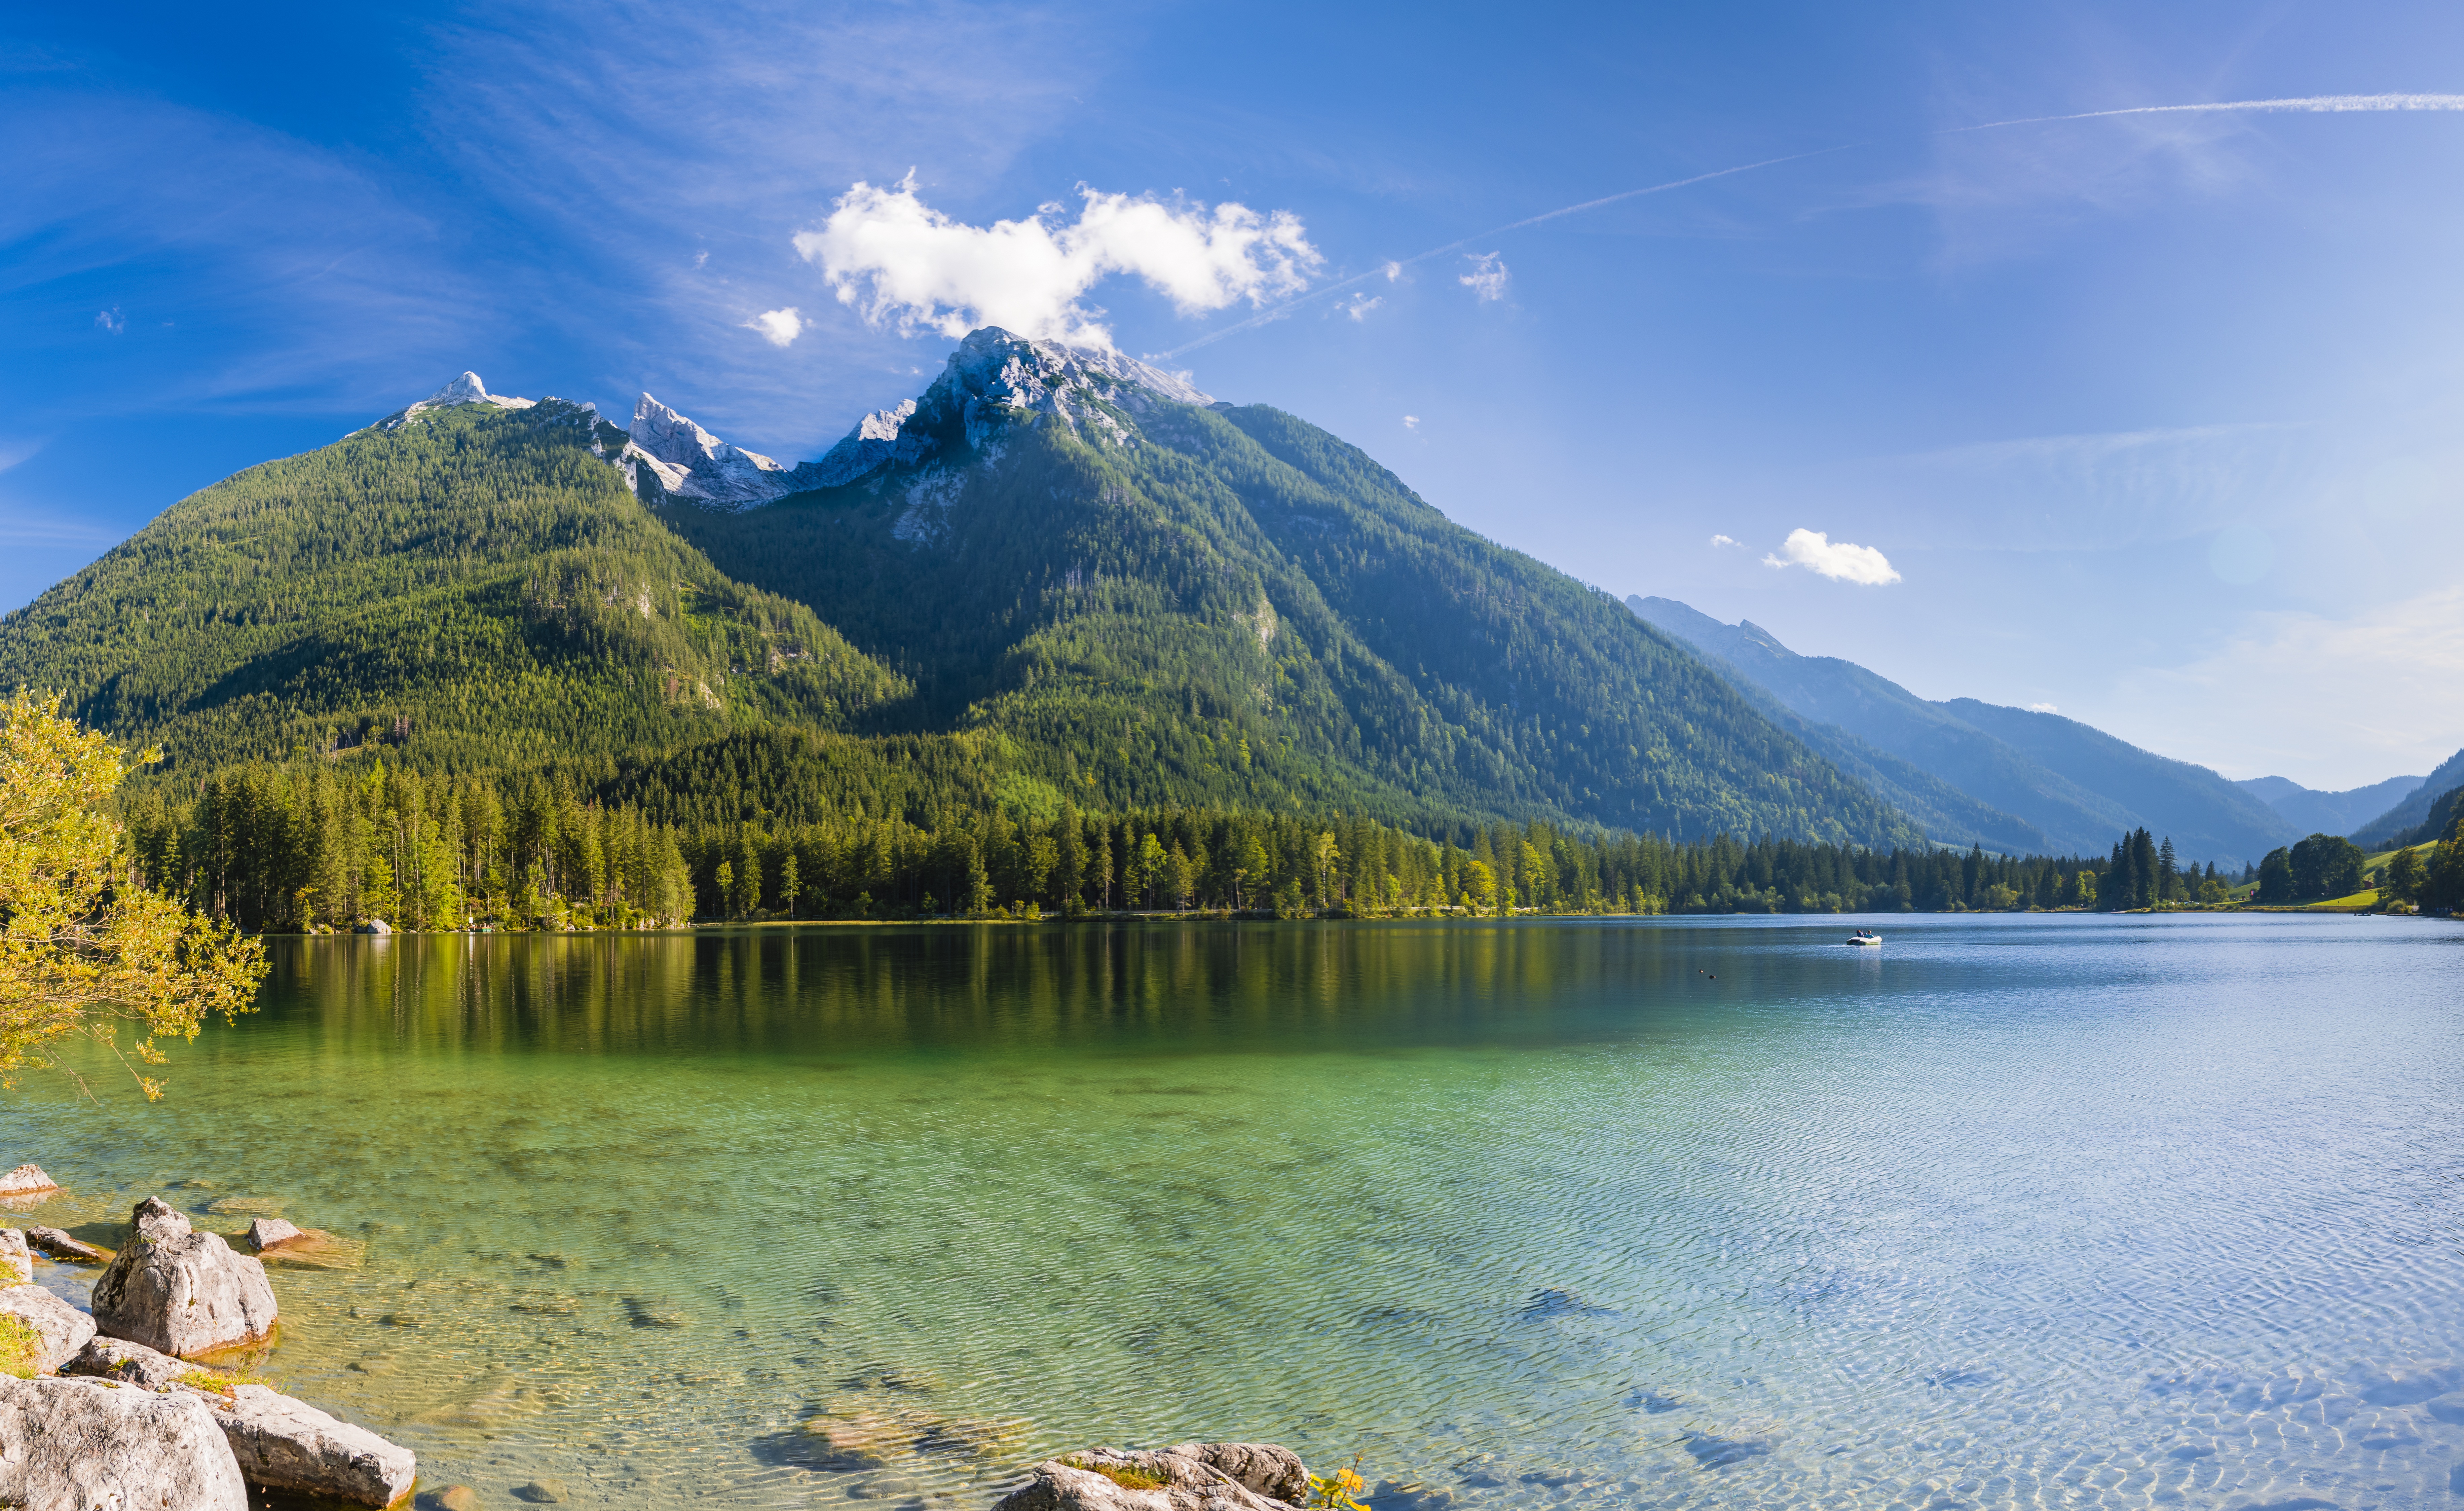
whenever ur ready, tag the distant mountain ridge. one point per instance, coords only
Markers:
(2315, 812)
(2413, 812)
(2076, 787)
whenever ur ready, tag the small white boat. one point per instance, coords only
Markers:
(1866, 936)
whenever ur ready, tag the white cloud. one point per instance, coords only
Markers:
(1841, 563)
(1727, 539)
(780, 327)
(1411, 422)
(1487, 277)
(2043, 708)
(1393, 271)
(1359, 307)
(111, 320)
(905, 264)
(2331, 703)
(701, 259)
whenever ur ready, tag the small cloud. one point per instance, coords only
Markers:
(1359, 307)
(1841, 563)
(1411, 422)
(1393, 271)
(1727, 539)
(1487, 277)
(700, 258)
(111, 320)
(780, 327)
(2043, 708)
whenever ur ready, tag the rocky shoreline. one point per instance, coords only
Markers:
(125, 1408)
(137, 1404)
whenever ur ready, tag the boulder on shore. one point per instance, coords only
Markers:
(1190, 1476)
(60, 1330)
(86, 1443)
(16, 1260)
(286, 1443)
(276, 1440)
(60, 1246)
(118, 1358)
(179, 1291)
(25, 1180)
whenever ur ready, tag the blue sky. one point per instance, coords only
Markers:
(2153, 417)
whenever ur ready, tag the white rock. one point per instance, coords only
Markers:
(267, 1232)
(179, 1291)
(16, 1260)
(118, 1358)
(90, 1445)
(287, 1443)
(464, 389)
(25, 1180)
(692, 463)
(60, 1329)
(1196, 1477)
(376, 925)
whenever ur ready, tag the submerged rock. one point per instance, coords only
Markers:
(873, 1431)
(1192, 1476)
(96, 1443)
(314, 1249)
(60, 1246)
(59, 1329)
(25, 1180)
(179, 1291)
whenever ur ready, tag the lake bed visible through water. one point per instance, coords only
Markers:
(2014, 1211)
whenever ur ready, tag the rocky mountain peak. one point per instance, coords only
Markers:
(464, 389)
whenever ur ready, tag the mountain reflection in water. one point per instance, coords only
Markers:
(2097, 1210)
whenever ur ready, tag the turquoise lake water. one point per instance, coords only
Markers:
(2014, 1212)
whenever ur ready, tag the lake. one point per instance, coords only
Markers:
(2015, 1211)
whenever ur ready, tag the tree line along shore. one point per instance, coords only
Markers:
(311, 847)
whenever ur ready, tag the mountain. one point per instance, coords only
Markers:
(468, 580)
(2315, 812)
(2079, 787)
(1165, 599)
(2413, 812)
(1056, 574)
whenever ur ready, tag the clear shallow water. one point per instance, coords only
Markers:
(2015, 1211)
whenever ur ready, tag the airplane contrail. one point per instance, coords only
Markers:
(2306, 104)
(2310, 104)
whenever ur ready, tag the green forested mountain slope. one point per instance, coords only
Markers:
(1161, 602)
(476, 589)
(1059, 579)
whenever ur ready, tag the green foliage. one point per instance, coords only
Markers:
(476, 589)
(2325, 866)
(1337, 1491)
(1125, 1476)
(21, 1348)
